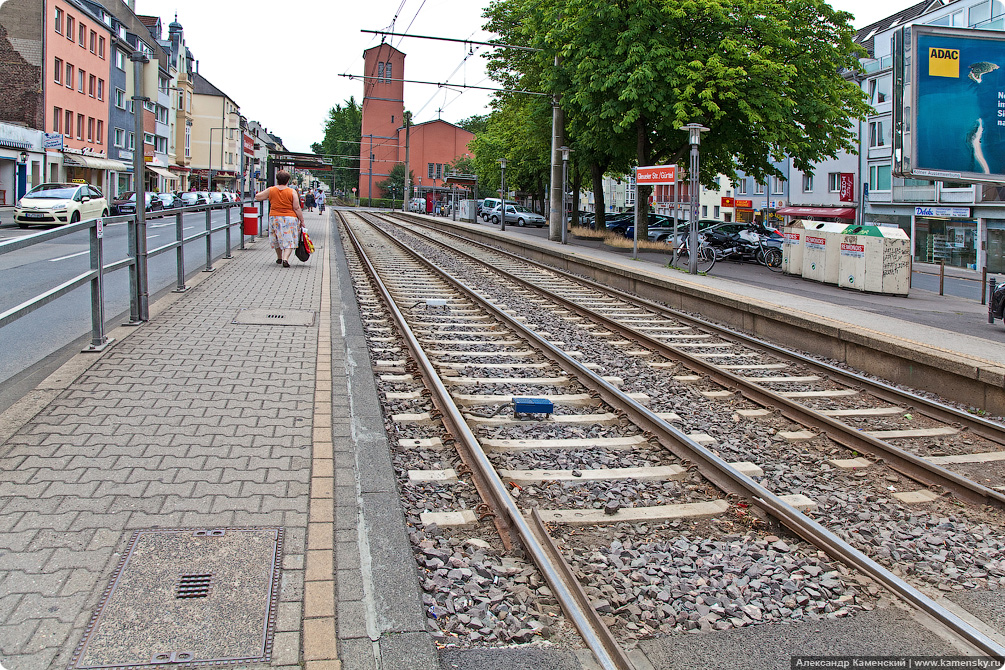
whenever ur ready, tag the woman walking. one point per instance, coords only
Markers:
(286, 218)
(310, 201)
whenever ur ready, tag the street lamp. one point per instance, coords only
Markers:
(22, 158)
(694, 131)
(565, 181)
(502, 191)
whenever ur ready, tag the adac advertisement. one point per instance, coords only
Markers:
(959, 104)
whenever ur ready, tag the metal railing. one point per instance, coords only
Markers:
(135, 262)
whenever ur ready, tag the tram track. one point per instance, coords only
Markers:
(652, 427)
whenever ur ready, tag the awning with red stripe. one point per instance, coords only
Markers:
(818, 212)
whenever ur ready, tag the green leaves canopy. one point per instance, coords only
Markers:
(343, 131)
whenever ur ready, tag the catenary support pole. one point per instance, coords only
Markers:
(139, 59)
(407, 195)
(555, 212)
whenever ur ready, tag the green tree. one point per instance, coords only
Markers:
(343, 133)
(475, 124)
(765, 76)
(394, 185)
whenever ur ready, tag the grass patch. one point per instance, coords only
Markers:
(579, 231)
(622, 242)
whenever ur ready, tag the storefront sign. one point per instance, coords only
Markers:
(52, 141)
(947, 212)
(816, 242)
(656, 174)
(727, 202)
(744, 204)
(853, 250)
(847, 187)
(125, 155)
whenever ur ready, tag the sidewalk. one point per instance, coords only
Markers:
(203, 420)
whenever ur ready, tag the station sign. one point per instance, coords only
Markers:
(656, 174)
(249, 145)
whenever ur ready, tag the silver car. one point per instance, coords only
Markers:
(517, 214)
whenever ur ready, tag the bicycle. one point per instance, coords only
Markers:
(681, 259)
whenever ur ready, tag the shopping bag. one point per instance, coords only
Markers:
(301, 251)
(307, 241)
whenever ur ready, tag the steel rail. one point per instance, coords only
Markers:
(901, 460)
(562, 591)
(715, 468)
(990, 430)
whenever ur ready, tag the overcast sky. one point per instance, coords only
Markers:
(281, 63)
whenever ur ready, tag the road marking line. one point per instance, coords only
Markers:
(63, 258)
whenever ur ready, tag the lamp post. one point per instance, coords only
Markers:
(565, 180)
(694, 130)
(141, 295)
(502, 191)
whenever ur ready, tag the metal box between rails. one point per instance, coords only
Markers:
(876, 259)
(821, 250)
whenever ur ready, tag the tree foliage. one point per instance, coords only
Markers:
(343, 132)
(765, 76)
(394, 185)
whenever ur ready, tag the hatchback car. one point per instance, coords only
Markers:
(997, 309)
(127, 204)
(59, 203)
(169, 200)
(190, 198)
(486, 206)
(517, 214)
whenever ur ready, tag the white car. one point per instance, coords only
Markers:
(58, 204)
(417, 205)
(517, 214)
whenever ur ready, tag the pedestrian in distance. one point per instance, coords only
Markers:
(310, 201)
(286, 217)
(321, 201)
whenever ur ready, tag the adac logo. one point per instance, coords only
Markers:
(944, 62)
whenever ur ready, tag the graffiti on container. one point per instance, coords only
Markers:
(896, 258)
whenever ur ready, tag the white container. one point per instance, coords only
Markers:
(468, 210)
(821, 250)
(792, 247)
(876, 259)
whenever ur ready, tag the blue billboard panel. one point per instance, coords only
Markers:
(958, 88)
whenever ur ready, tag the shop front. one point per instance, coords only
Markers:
(946, 234)
(93, 170)
(21, 161)
(744, 210)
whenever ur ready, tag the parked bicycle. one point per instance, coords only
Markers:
(681, 258)
(744, 246)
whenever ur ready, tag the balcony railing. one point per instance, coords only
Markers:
(913, 193)
(957, 196)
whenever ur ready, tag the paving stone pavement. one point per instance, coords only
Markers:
(193, 421)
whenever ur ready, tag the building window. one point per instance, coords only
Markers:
(759, 188)
(777, 185)
(181, 100)
(879, 177)
(69, 27)
(101, 48)
(80, 126)
(807, 183)
(101, 131)
(80, 80)
(188, 101)
(878, 138)
(833, 182)
(58, 21)
(741, 187)
(69, 76)
(68, 125)
(92, 85)
(57, 72)
(439, 170)
(92, 44)
(188, 141)
(120, 60)
(380, 72)
(81, 35)
(704, 211)
(90, 129)
(57, 117)
(148, 138)
(387, 73)
(120, 98)
(879, 90)
(120, 137)
(432, 170)
(101, 89)
(132, 141)
(162, 145)
(716, 210)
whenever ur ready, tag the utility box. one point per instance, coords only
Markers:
(876, 259)
(792, 247)
(468, 210)
(821, 250)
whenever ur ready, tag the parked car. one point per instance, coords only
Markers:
(417, 205)
(190, 198)
(127, 203)
(486, 206)
(517, 214)
(216, 197)
(59, 203)
(169, 200)
(997, 309)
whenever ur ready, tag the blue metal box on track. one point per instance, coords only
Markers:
(532, 406)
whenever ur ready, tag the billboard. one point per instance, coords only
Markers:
(949, 104)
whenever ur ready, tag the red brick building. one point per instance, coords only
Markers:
(433, 144)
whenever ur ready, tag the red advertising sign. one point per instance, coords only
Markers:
(743, 204)
(727, 202)
(249, 145)
(656, 174)
(847, 187)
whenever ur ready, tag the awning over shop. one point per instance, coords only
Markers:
(818, 212)
(93, 162)
(162, 172)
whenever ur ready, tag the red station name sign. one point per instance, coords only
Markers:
(656, 174)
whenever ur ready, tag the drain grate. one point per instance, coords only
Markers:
(158, 610)
(275, 317)
(193, 586)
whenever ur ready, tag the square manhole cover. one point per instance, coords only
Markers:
(275, 317)
(187, 597)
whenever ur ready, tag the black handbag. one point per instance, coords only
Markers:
(301, 251)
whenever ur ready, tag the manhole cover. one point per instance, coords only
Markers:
(275, 317)
(187, 597)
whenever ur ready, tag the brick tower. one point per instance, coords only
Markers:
(383, 109)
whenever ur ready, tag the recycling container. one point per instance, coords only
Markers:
(876, 259)
(792, 247)
(821, 250)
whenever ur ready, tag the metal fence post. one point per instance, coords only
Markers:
(98, 339)
(180, 253)
(261, 220)
(240, 208)
(984, 285)
(991, 292)
(209, 240)
(226, 219)
(134, 290)
(942, 276)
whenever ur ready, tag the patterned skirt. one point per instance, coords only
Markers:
(284, 232)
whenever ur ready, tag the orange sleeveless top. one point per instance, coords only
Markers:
(281, 201)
